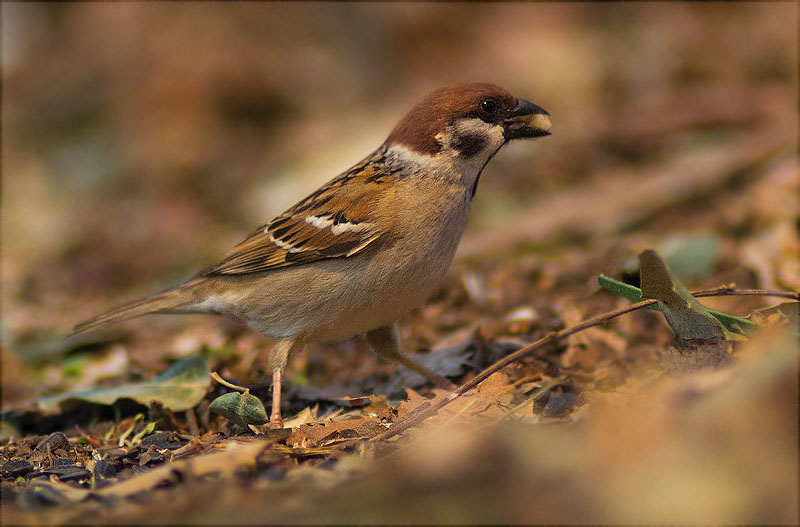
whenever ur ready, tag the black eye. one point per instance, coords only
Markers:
(489, 106)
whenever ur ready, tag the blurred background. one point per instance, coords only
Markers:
(141, 141)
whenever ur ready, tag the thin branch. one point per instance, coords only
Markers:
(425, 411)
(214, 375)
(730, 291)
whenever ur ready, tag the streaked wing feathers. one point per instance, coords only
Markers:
(334, 221)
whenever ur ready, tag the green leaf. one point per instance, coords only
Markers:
(634, 294)
(181, 387)
(240, 408)
(688, 318)
(701, 341)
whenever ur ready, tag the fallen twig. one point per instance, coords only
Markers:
(732, 291)
(423, 412)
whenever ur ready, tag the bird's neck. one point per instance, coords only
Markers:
(448, 166)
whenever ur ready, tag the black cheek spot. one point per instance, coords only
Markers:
(469, 144)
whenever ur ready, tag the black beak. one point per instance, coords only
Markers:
(528, 108)
(527, 120)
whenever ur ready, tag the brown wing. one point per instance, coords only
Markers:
(333, 222)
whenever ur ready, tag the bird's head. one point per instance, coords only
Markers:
(468, 121)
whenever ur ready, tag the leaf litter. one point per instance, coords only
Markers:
(135, 458)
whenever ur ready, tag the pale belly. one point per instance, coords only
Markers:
(376, 303)
(316, 303)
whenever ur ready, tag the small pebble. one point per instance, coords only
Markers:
(103, 469)
(56, 440)
(15, 468)
(560, 404)
(163, 440)
(63, 462)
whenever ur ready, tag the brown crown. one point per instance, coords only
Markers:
(418, 129)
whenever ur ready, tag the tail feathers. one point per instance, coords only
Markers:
(169, 301)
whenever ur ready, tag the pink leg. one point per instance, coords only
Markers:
(386, 341)
(275, 420)
(278, 356)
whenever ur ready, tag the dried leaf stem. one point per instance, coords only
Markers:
(425, 411)
(727, 290)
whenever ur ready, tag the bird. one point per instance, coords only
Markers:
(369, 245)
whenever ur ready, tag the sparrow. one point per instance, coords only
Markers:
(366, 247)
